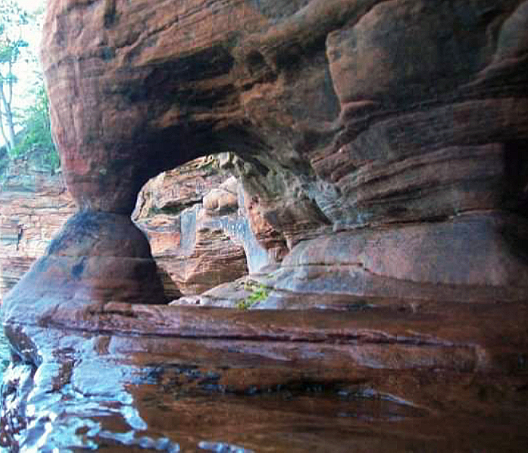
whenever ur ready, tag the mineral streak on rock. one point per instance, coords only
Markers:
(188, 214)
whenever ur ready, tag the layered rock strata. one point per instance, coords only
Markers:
(398, 167)
(381, 151)
(343, 121)
(191, 218)
(34, 204)
(123, 376)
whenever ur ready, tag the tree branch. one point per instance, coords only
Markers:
(5, 113)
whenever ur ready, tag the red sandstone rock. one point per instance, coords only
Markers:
(33, 206)
(346, 114)
(384, 379)
(222, 199)
(469, 258)
(382, 145)
(351, 119)
(172, 191)
(96, 257)
(184, 213)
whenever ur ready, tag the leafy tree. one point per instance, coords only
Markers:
(36, 133)
(26, 131)
(13, 21)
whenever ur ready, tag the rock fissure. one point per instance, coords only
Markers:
(110, 323)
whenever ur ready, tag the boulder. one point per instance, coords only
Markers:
(95, 258)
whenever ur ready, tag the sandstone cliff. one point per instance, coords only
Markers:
(357, 127)
(34, 204)
(380, 144)
(200, 236)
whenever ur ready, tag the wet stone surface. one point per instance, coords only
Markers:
(127, 393)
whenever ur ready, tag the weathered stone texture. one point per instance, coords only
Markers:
(389, 133)
(192, 258)
(34, 204)
(394, 131)
(199, 234)
(96, 257)
(383, 172)
(347, 116)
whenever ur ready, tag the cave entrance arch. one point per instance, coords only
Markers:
(197, 222)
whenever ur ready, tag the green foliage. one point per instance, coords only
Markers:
(13, 24)
(168, 210)
(12, 19)
(258, 293)
(35, 137)
(9, 52)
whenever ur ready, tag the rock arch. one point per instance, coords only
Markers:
(383, 144)
(381, 150)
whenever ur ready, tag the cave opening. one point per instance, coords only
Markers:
(196, 220)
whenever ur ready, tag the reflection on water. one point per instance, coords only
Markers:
(88, 394)
(73, 399)
(122, 394)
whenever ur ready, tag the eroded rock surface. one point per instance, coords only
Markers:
(96, 257)
(385, 378)
(198, 226)
(347, 114)
(382, 152)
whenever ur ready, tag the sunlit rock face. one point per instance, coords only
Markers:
(200, 226)
(192, 220)
(348, 114)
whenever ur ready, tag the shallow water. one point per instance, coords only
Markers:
(135, 394)
(88, 394)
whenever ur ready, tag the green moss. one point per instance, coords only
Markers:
(169, 210)
(173, 210)
(258, 293)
